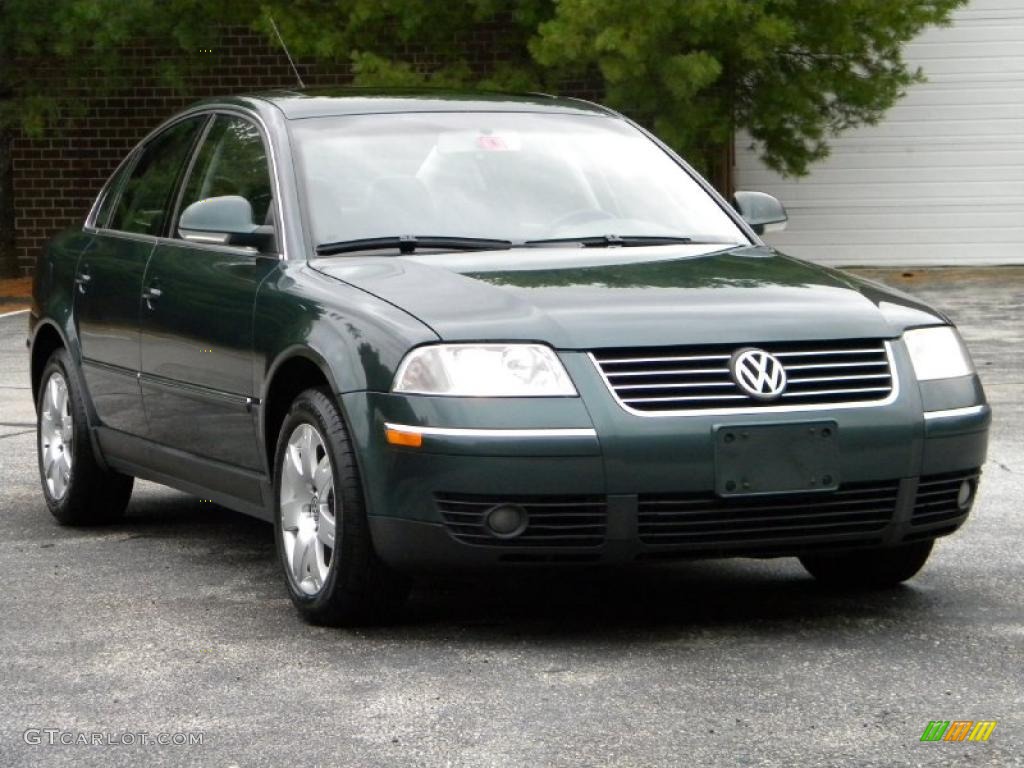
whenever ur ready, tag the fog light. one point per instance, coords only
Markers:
(966, 494)
(506, 521)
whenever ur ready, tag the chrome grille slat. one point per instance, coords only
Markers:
(681, 399)
(862, 351)
(814, 366)
(686, 385)
(859, 377)
(678, 359)
(677, 372)
(676, 380)
(851, 390)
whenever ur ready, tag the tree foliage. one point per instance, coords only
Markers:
(792, 73)
(55, 54)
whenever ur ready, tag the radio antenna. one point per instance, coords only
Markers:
(280, 39)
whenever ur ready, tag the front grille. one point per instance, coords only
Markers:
(672, 379)
(554, 521)
(707, 520)
(936, 497)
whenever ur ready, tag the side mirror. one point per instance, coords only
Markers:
(226, 220)
(762, 212)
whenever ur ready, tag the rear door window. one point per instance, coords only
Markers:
(145, 201)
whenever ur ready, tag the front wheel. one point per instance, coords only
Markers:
(332, 573)
(869, 568)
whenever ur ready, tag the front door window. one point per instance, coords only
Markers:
(232, 161)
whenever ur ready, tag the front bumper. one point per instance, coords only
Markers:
(604, 486)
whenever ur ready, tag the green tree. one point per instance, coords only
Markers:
(792, 73)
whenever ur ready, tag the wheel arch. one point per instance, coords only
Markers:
(47, 338)
(295, 370)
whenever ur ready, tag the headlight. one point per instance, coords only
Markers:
(937, 353)
(483, 370)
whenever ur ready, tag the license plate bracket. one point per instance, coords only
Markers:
(757, 459)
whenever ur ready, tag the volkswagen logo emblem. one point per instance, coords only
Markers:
(758, 373)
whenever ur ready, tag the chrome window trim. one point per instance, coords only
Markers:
(891, 398)
(204, 109)
(154, 240)
(137, 236)
(190, 165)
(953, 413)
(491, 433)
(90, 218)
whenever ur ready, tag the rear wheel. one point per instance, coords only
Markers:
(77, 489)
(332, 573)
(869, 568)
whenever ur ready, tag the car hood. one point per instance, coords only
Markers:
(617, 297)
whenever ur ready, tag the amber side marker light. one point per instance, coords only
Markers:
(407, 439)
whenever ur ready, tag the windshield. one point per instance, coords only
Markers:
(498, 175)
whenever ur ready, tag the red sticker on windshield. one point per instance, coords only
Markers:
(491, 143)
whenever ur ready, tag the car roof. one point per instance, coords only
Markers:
(297, 105)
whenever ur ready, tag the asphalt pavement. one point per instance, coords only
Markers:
(174, 625)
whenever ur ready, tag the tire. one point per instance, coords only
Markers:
(870, 568)
(78, 490)
(332, 580)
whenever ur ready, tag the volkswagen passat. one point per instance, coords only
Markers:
(421, 330)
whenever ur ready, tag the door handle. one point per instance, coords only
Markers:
(82, 279)
(151, 294)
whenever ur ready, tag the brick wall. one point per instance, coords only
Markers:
(56, 178)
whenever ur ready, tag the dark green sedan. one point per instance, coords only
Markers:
(421, 330)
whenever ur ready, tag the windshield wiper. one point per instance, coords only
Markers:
(412, 243)
(406, 244)
(607, 241)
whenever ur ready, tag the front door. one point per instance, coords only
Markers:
(197, 311)
(108, 282)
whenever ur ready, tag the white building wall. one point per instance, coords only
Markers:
(941, 179)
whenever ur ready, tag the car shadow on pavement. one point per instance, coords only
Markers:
(776, 595)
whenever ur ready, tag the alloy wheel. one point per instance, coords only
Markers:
(56, 436)
(308, 509)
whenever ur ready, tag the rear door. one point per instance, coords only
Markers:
(108, 281)
(197, 317)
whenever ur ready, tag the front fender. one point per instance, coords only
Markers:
(357, 339)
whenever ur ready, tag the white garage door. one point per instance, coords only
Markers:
(941, 179)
